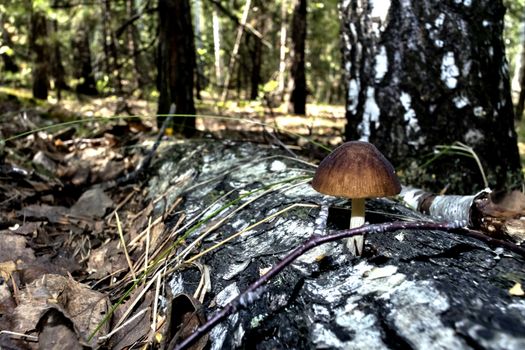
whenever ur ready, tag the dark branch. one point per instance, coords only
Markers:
(134, 18)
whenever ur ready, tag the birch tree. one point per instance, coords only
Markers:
(424, 73)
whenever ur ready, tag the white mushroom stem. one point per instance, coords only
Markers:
(355, 244)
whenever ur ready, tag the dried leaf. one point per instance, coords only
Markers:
(106, 260)
(56, 332)
(14, 248)
(500, 214)
(515, 228)
(42, 160)
(84, 307)
(29, 228)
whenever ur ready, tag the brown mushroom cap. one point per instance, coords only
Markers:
(356, 169)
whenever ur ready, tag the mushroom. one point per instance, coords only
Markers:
(356, 170)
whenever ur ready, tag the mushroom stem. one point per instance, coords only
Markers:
(355, 244)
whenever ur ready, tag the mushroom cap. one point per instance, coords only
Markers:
(356, 169)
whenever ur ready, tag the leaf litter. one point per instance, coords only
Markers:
(64, 273)
(60, 256)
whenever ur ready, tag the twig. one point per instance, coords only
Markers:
(136, 300)
(123, 241)
(110, 334)
(251, 294)
(21, 335)
(156, 303)
(146, 254)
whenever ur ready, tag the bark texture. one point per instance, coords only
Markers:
(176, 65)
(411, 289)
(427, 73)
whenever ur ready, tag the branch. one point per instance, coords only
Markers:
(253, 291)
(245, 26)
(134, 18)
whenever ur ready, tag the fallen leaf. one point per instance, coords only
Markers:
(515, 228)
(14, 247)
(85, 308)
(93, 204)
(42, 160)
(56, 332)
(106, 260)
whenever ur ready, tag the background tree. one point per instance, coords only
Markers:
(58, 71)
(298, 96)
(176, 62)
(140, 64)
(81, 47)
(6, 51)
(514, 34)
(255, 44)
(427, 73)
(40, 49)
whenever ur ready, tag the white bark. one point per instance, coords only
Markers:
(217, 46)
(282, 48)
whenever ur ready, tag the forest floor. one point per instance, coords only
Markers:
(243, 120)
(59, 199)
(56, 222)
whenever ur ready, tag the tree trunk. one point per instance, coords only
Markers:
(235, 50)
(114, 67)
(281, 80)
(176, 63)
(9, 62)
(298, 97)
(426, 73)
(520, 72)
(58, 71)
(256, 54)
(140, 65)
(82, 67)
(200, 81)
(217, 47)
(256, 51)
(40, 48)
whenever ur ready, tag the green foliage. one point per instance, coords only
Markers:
(323, 58)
